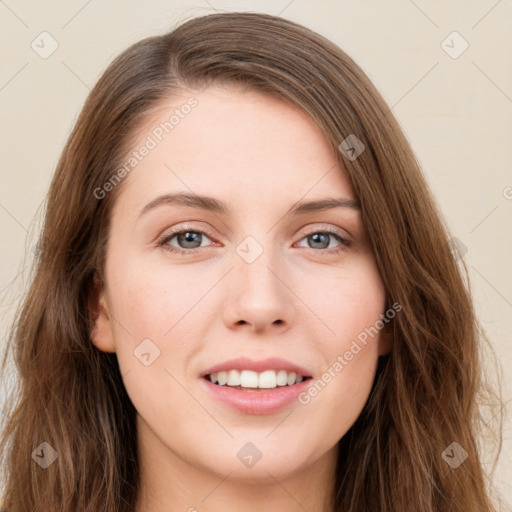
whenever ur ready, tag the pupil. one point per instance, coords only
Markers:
(317, 235)
(190, 236)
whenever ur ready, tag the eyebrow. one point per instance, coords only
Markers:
(220, 207)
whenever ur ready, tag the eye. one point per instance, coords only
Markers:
(188, 239)
(320, 239)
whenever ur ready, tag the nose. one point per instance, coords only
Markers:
(258, 297)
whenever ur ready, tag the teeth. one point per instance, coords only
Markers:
(233, 378)
(282, 378)
(268, 379)
(248, 379)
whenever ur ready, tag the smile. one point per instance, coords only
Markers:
(251, 380)
(255, 386)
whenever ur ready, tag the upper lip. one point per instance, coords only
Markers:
(257, 365)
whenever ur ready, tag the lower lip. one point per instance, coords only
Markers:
(256, 402)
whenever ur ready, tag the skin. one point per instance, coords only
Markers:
(260, 155)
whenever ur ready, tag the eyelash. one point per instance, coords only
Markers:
(163, 241)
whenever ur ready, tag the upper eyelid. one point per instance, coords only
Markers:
(323, 227)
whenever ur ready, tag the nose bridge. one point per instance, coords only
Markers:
(258, 294)
(256, 266)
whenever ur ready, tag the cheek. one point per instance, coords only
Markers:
(353, 310)
(151, 345)
(149, 299)
(350, 301)
(336, 399)
(147, 305)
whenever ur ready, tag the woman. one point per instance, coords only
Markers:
(244, 296)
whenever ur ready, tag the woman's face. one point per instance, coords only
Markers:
(253, 279)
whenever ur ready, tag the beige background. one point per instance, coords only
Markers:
(456, 112)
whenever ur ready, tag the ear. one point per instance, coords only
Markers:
(386, 339)
(102, 333)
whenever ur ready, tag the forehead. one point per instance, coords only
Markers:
(237, 144)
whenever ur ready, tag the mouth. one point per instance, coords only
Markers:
(256, 386)
(249, 380)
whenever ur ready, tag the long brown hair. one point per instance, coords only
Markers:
(428, 392)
